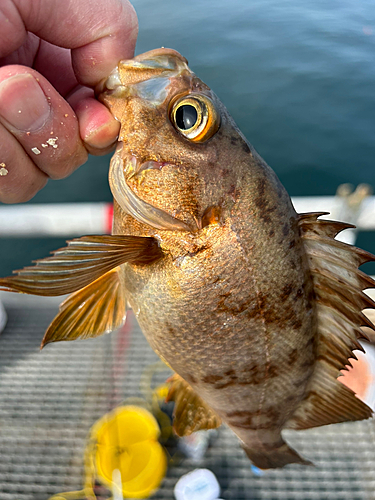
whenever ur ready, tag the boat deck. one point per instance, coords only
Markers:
(50, 399)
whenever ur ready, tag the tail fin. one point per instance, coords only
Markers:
(271, 458)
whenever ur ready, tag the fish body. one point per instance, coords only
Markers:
(254, 307)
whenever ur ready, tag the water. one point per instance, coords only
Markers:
(298, 78)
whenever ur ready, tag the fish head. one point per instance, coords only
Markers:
(180, 155)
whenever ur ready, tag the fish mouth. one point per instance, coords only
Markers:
(161, 52)
(157, 63)
(122, 168)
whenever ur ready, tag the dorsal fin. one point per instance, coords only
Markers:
(98, 308)
(190, 413)
(338, 287)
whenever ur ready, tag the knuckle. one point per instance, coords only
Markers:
(10, 194)
(67, 164)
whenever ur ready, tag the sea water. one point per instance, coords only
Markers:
(298, 78)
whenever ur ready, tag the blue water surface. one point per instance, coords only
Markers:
(297, 76)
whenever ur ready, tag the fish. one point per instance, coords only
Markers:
(255, 308)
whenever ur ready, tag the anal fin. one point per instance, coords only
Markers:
(191, 413)
(98, 308)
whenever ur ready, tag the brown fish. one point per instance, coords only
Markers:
(256, 308)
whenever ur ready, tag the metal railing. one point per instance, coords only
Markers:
(75, 219)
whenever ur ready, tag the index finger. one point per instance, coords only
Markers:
(99, 33)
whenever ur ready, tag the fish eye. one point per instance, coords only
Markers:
(186, 117)
(195, 117)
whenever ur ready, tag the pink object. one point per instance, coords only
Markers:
(361, 378)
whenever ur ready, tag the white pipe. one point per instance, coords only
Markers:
(60, 219)
(76, 219)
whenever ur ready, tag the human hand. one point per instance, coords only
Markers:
(52, 54)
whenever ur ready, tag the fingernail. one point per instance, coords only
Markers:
(23, 104)
(103, 136)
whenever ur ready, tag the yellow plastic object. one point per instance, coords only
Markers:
(126, 447)
(123, 452)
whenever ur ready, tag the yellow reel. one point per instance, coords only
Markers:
(127, 442)
(123, 453)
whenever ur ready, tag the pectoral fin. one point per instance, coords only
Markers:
(191, 413)
(83, 261)
(97, 308)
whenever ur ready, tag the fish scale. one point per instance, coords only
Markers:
(255, 307)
